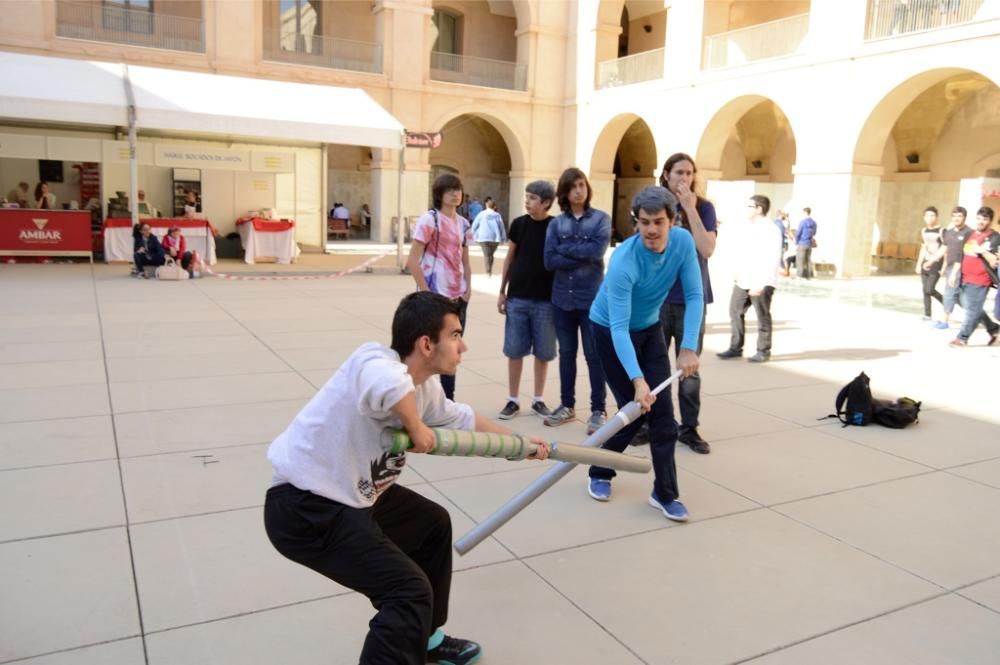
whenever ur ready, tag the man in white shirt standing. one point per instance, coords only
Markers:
(754, 279)
(334, 505)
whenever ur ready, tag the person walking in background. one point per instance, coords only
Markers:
(976, 279)
(697, 215)
(754, 279)
(930, 259)
(488, 231)
(805, 241)
(475, 207)
(439, 255)
(526, 299)
(575, 243)
(953, 243)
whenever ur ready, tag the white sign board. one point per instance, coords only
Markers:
(188, 156)
(262, 161)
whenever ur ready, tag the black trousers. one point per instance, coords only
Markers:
(803, 262)
(651, 351)
(689, 390)
(397, 553)
(739, 303)
(929, 280)
(448, 380)
(489, 249)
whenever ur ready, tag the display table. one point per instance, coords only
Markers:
(29, 232)
(119, 244)
(267, 239)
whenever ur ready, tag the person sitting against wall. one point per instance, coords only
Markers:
(44, 199)
(175, 247)
(148, 252)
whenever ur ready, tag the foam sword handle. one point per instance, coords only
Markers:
(462, 443)
(626, 415)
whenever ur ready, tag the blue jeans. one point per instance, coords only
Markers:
(567, 323)
(973, 299)
(651, 351)
(528, 329)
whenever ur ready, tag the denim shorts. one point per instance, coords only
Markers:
(529, 328)
(951, 296)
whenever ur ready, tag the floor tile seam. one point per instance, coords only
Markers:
(193, 408)
(211, 376)
(842, 490)
(837, 433)
(765, 413)
(763, 390)
(56, 652)
(48, 420)
(121, 475)
(19, 363)
(256, 336)
(207, 513)
(972, 480)
(260, 610)
(166, 453)
(846, 626)
(862, 550)
(667, 526)
(213, 405)
(471, 475)
(51, 465)
(959, 589)
(607, 631)
(472, 519)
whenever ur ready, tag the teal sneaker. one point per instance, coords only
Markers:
(455, 651)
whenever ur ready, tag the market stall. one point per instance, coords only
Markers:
(268, 239)
(28, 232)
(119, 242)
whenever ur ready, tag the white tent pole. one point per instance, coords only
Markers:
(400, 226)
(133, 161)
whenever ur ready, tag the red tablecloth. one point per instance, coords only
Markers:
(267, 225)
(269, 239)
(199, 233)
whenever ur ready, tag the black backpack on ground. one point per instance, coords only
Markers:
(896, 414)
(854, 402)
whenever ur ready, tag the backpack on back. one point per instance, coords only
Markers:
(854, 402)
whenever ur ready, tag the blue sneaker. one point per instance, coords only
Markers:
(940, 325)
(599, 489)
(455, 651)
(674, 510)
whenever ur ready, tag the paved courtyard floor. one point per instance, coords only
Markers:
(135, 415)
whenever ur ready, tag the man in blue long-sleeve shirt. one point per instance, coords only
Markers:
(575, 243)
(630, 341)
(805, 240)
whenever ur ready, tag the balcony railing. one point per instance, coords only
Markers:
(888, 18)
(478, 71)
(106, 22)
(645, 66)
(319, 51)
(757, 42)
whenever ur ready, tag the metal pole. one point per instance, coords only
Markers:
(399, 209)
(133, 161)
(504, 513)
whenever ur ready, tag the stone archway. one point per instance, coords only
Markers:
(623, 162)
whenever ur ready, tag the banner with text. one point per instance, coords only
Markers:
(51, 231)
(186, 156)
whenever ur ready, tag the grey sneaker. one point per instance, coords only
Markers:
(596, 422)
(561, 416)
(540, 408)
(509, 410)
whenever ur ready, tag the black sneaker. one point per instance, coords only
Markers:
(455, 651)
(641, 437)
(540, 408)
(730, 353)
(510, 410)
(690, 437)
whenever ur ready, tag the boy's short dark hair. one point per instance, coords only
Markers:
(986, 212)
(419, 314)
(764, 203)
(961, 211)
(932, 209)
(807, 211)
(653, 200)
(543, 190)
(445, 182)
(566, 182)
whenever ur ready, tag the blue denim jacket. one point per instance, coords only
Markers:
(574, 252)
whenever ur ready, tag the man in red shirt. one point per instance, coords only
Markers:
(976, 279)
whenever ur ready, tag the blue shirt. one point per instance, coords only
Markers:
(475, 208)
(574, 252)
(707, 213)
(805, 232)
(637, 283)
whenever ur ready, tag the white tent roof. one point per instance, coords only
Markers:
(79, 91)
(168, 99)
(61, 90)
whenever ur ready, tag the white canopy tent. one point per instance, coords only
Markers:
(41, 88)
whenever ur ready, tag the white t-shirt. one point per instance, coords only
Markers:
(333, 447)
(756, 265)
